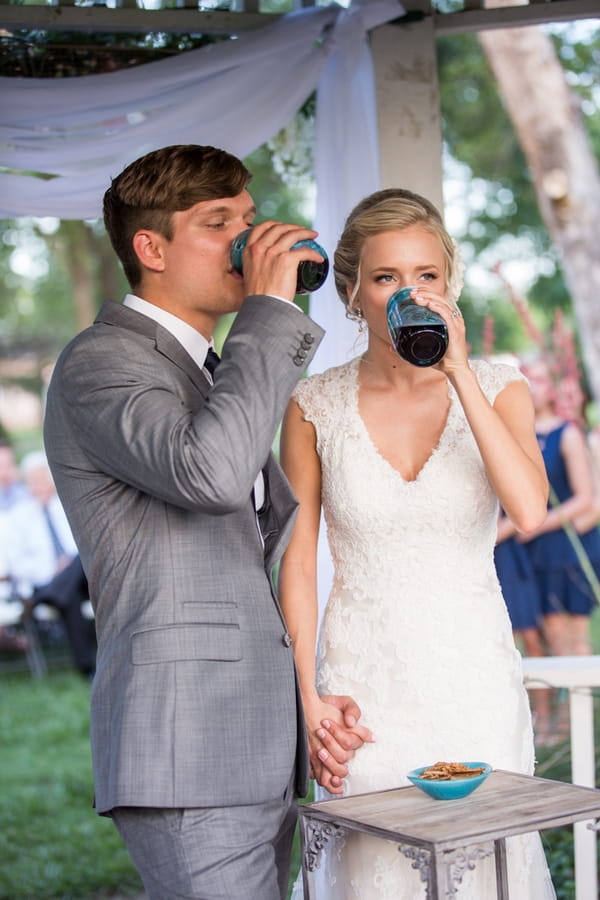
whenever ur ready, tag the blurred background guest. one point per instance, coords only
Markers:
(567, 595)
(11, 487)
(42, 543)
(565, 550)
(12, 490)
(44, 560)
(591, 519)
(594, 445)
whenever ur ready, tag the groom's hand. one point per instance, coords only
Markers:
(339, 742)
(351, 735)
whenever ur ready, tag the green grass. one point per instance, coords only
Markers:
(595, 630)
(52, 844)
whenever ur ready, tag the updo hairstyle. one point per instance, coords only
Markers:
(388, 210)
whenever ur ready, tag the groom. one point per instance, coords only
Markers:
(180, 513)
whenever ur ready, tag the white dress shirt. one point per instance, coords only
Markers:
(30, 553)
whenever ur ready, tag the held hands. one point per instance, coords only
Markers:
(333, 737)
(270, 266)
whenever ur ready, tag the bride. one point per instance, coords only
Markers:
(409, 463)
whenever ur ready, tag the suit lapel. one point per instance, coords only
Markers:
(124, 317)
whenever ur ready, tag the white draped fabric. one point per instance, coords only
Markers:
(235, 94)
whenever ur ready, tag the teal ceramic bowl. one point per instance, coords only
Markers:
(454, 788)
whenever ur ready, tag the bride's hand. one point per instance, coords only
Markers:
(333, 736)
(456, 356)
(352, 735)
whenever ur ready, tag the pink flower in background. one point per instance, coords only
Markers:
(522, 308)
(558, 349)
(489, 336)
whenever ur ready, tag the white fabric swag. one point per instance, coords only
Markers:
(235, 95)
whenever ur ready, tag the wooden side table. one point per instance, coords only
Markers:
(443, 837)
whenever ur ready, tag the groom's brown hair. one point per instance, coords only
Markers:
(153, 187)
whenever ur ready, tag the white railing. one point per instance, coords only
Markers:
(578, 674)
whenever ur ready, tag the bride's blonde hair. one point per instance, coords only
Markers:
(389, 210)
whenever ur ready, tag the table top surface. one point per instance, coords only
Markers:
(507, 803)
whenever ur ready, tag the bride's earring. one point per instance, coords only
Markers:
(353, 310)
(357, 315)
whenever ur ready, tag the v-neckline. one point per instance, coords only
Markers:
(435, 449)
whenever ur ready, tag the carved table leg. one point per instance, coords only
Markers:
(314, 837)
(421, 860)
(501, 870)
(457, 862)
(443, 875)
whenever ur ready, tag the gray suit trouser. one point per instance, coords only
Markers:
(222, 853)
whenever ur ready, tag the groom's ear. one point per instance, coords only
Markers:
(148, 246)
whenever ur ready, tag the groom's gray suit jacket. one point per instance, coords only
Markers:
(194, 702)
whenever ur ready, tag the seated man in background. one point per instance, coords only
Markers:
(12, 490)
(44, 559)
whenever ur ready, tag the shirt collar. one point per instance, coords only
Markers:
(190, 339)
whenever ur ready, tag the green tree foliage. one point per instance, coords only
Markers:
(41, 308)
(57, 54)
(55, 274)
(478, 133)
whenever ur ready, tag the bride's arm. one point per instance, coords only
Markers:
(329, 748)
(505, 435)
(504, 430)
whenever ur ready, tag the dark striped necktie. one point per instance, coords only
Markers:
(212, 361)
(57, 546)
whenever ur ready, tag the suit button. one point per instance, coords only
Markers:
(309, 338)
(298, 361)
(287, 640)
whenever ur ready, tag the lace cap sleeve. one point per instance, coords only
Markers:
(324, 398)
(494, 377)
(308, 394)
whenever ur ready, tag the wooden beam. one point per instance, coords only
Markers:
(515, 16)
(187, 19)
(130, 19)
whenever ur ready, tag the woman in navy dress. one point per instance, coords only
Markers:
(519, 587)
(567, 595)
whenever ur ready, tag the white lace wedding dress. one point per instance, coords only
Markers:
(416, 630)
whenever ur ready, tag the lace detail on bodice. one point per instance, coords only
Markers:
(415, 628)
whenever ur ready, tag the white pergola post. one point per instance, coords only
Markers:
(408, 106)
(579, 674)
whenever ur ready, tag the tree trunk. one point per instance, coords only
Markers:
(93, 269)
(552, 134)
